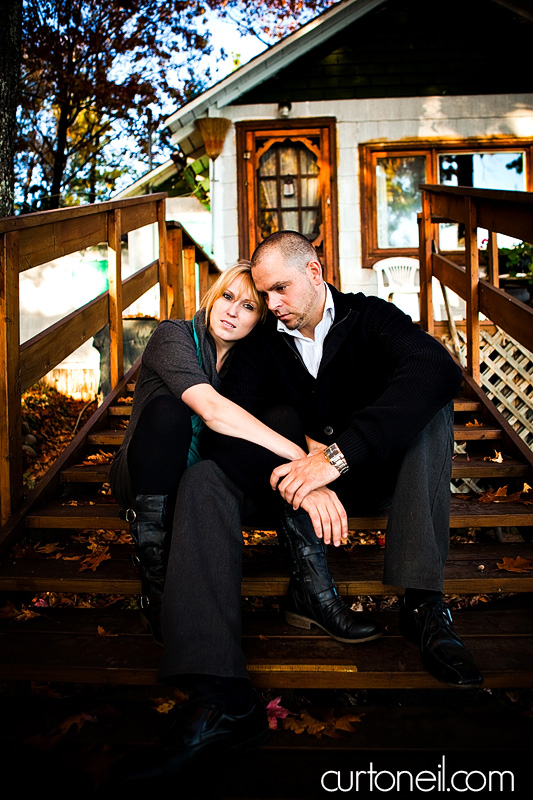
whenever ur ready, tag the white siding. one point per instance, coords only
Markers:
(359, 122)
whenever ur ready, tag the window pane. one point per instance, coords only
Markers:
(484, 170)
(398, 199)
(268, 221)
(290, 221)
(267, 163)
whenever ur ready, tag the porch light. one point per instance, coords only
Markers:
(284, 108)
(288, 187)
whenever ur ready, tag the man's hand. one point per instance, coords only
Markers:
(296, 479)
(327, 514)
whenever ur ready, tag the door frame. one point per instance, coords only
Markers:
(246, 133)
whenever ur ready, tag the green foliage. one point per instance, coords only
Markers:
(519, 259)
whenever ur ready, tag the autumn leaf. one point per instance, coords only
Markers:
(274, 712)
(330, 726)
(501, 496)
(93, 561)
(305, 723)
(163, 704)
(517, 564)
(474, 424)
(342, 723)
(498, 459)
(102, 632)
(9, 611)
(50, 739)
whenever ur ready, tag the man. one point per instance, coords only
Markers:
(373, 394)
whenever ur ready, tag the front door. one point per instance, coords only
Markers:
(287, 182)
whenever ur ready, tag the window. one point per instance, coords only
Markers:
(288, 189)
(391, 200)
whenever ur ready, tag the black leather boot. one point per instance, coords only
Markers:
(444, 654)
(312, 598)
(149, 531)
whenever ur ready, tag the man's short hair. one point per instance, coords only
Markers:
(294, 248)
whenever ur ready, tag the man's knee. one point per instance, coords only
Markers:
(205, 480)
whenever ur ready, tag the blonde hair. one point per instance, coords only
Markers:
(243, 270)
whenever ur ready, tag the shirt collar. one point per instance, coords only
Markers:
(328, 315)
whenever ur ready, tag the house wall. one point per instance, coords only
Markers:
(361, 121)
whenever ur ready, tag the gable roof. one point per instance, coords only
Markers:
(262, 67)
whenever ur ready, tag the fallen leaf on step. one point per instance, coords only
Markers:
(93, 561)
(517, 564)
(498, 459)
(163, 704)
(330, 726)
(474, 424)
(50, 739)
(274, 712)
(102, 632)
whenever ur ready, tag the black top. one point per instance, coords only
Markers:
(380, 381)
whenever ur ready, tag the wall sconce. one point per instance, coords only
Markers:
(288, 186)
(284, 108)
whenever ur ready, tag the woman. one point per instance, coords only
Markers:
(176, 395)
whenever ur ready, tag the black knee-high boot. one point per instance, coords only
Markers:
(152, 539)
(312, 598)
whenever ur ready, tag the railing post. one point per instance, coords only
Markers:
(472, 300)
(492, 253)
(426, 267)
(162, 259)
(10, 412)
(175, 273)
(203, 275)
(189, 281)
(114, 250)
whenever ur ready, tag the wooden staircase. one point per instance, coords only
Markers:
(63, 643)
(105, 645)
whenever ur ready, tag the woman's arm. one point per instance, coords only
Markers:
(228, 418)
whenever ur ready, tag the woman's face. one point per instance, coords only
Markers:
(235, 312)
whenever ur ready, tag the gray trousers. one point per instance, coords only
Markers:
(201, 616)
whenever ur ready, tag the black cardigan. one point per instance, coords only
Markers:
(381, 378)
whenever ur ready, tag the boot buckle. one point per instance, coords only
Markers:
(130, 515)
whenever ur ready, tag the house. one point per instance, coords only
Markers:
(332, 130)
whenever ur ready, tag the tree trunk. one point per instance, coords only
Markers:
(10, 46)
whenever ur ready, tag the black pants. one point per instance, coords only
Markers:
(201, 605)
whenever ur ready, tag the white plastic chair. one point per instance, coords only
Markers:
(399, 282)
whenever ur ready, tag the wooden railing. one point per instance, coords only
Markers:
(35, 239)
(504, 212)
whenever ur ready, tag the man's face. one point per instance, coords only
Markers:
(294, 297)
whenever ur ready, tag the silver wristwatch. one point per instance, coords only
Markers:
(336, 458)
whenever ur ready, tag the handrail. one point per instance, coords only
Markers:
(499, 212)
(34, 239)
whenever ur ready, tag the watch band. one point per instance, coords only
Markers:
(336, 458)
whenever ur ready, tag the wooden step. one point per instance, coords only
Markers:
(120, 410)
(115, 437)
(460, 403)
(65, 649)
(357, 570)
(463, 466)
(107, 436)
(464, 514)
(475, 432)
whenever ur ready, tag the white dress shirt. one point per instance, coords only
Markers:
(311, 349)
